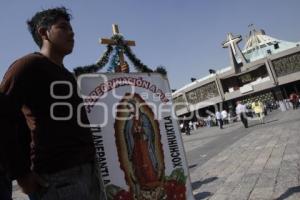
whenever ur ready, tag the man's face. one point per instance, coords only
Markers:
(61, 36)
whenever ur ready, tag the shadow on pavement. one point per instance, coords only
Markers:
(192, 166)
(267, 122)
(202, 195)
(274, 120)
(197, 184)
(289, 192)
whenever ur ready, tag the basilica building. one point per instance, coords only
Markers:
(267, 69)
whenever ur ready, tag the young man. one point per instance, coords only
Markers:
(62, 155)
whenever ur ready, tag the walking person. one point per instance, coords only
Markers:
(241, 110)
(225, 116)
(61, 164)
(258, 109)
(294, 99)
(187, 128)
(219, 119)
(208, 121)
(181, 127)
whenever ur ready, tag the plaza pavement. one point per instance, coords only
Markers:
(263, 164)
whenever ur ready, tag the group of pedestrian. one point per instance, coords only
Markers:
(222, 118)
(257, 107)
(186, 127)
(50, 159)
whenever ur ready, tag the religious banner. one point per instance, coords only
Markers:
(138, 143)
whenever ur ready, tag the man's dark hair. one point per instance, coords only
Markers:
(46, 18)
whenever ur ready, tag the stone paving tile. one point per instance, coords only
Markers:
(261, 193)
(274, 161)
(262, 165)
(242, 191)
(219, 197)
(227, 188)
(267, 178)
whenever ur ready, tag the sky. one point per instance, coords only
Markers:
(185, 36)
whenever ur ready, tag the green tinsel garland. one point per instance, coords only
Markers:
(139, 66)
(162, 70)
(95, 67)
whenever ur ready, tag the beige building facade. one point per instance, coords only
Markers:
(267, 69)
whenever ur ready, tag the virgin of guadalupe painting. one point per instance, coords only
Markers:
(139, 147)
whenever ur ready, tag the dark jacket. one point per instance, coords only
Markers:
(14, 140)
(54, 144)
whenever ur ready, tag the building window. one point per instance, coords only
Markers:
(262, 46)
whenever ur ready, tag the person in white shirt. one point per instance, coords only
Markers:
(208, 121)
(224, 116)
(241, 111)
(219, 119)
(191, 125)
(195, 123)
(181, 127)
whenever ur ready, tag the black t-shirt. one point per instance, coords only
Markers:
(46, 95)
(4, 128)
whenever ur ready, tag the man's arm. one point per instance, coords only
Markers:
(16, 133)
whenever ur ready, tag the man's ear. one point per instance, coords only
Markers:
(42, 31)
